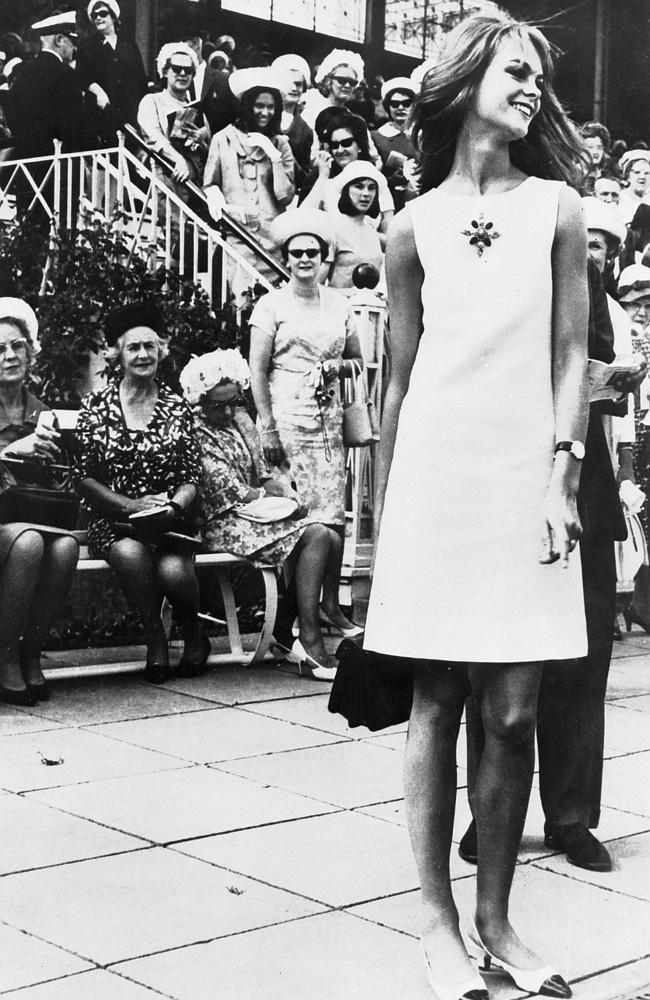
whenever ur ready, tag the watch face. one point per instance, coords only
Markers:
(578, 450)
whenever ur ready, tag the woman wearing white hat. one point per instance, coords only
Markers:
(635, 170)
(336, 80)
(250, 164)
(393, 141)
(303, 341)
(110, 69)
(36, 565)
(298, 132)
(357, 242)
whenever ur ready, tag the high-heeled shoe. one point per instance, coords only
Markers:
(470, 989)
(347, 633)
(543, 980)
(24, 697)
(316, 670)
(41, 691)
(632, 617)
(195, 666)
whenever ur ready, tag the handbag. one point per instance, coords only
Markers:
(39, 505)
(360, 424)
(630, 554)
(371, 689)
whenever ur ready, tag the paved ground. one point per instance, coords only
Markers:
(228, 838)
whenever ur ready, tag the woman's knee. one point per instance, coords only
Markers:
(28, 547)
(315, 535)
(514, 725)
(65, 551)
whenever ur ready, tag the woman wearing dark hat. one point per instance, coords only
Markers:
(303, 341)
(36, 565)
(110, 68)
(138, 453)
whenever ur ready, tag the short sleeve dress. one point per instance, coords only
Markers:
(158, 459)
(312, 434)
(457, 572)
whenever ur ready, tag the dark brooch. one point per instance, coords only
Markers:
(481, 234)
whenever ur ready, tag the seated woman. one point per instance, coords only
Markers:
(235, 472)
(36, 566)
(357, 242)
(138, 452)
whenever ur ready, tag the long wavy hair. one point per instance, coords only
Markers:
(552, 148)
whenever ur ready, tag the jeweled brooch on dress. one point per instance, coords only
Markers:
(481, 234)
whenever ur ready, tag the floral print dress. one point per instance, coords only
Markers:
(158, 459)
(232, 463)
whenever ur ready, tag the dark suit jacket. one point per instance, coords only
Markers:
(45, 104)
(120, 72)
(598, 502)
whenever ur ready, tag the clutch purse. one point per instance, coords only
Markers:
(360, 424)
(39, 505)
(371, 689)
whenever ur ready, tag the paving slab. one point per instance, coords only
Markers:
(244, 685)
(626, 982)
(14, 720)
(347, 774)
(637, 703)
(576, 927)
(626, 785)
(313, 712)
(96, 985)
(330, 957)
(85, 756)
(148, 900)
(630, 863)
(35, 836)
(176, 805)
(628, 677)
(220, 734)
(83, 701)
(336, 859)
(26, 960)
(626, 732)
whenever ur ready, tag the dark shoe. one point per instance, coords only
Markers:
(195, 665)
(23, 697)
(467, 849)
(632, 617)
(41, 691)
(580, 846)
(157, 673)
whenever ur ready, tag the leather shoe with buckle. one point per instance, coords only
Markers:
(580, 846)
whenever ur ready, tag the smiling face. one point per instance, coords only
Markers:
(304, 257)
(638, 175)
(508, 97)
(179, 75)
(638, 312)
(14, 354)
(343, 81)
(607, 189)
(102, 19)
(219, 404)
(362, 194)
(263, 110)
(140, 353)
(596, 150)
(343, 147)
(399, 105)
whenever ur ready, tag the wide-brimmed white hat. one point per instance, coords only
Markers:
(111, 4)
(598, 215)
(19, 310)
(284, 64)
(358, 170)
(634, 283)
(340, 57)
(58, 24)
(402, 83)
(257, 76)
(631, 156)
(419, 73)
(172, 49)
(299, 222)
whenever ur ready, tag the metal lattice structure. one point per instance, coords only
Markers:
(339, 18)
(417, 27)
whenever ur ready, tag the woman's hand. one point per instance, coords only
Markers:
(331, 369)
(43, 444)
(151, 501)
(264, 143)
(272, 447)
(561, 527)
(323, 163)
(181, 170)
(193, 137)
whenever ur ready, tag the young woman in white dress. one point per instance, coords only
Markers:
(479, 464)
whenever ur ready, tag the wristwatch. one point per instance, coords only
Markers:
(576, 448)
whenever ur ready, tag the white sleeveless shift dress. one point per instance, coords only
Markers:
(457, 572)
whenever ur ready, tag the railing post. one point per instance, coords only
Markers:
(56, 164)
(122, 168)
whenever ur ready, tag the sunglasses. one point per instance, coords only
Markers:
(218, 406)
(17, 346)
(405, 102)
(103, 12)
(345, 81)
(343, 143)
(310, 252)
(181, 70)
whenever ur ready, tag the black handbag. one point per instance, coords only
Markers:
(371, 689)
(39, 505)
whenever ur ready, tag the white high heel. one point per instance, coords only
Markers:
(471, 989)
(543, 980)
(347, 633)
(300, 656)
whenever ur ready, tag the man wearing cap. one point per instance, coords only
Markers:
(45, 104)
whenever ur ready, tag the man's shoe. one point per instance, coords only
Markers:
(467, 849)
(580, 846)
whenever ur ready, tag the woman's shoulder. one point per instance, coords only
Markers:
(99, 397)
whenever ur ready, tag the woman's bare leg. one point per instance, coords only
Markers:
(134, 568)
(312, 555)
(439, 692)
(508, 697)
(54, 580)
(19, 580)
(332, 578)
(178, 581)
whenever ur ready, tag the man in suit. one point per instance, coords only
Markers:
(45, 104)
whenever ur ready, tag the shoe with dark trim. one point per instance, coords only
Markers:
(467, 848)
(580, 846)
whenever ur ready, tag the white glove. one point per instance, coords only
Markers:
(216, 202)
(264, 143)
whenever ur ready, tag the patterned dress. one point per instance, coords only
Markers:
(158, 459)
(641, 345)
(232, 463)
(312, 435)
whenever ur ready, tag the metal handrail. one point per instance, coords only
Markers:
(227, 221)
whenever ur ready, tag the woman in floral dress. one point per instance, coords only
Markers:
(138, 452)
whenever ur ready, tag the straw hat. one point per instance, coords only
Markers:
(291, 61)
(598, 215)
(257, 76)
(302, 221)
(634, 283)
